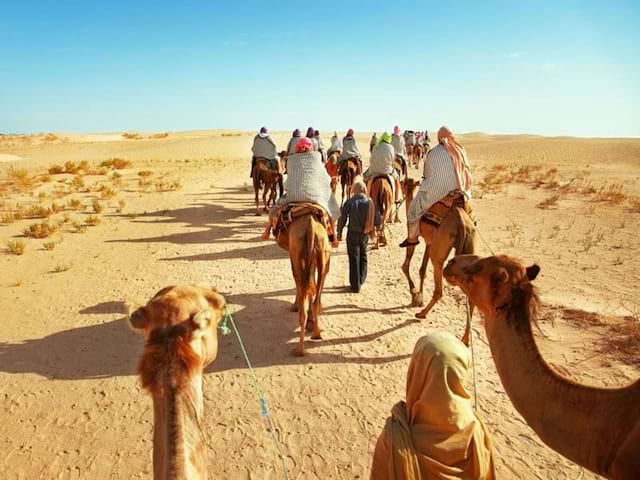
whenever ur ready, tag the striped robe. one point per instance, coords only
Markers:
(439, 178)
(398, 145)
(308, 181)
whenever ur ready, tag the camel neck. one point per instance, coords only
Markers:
(179, 442)
(572, 419)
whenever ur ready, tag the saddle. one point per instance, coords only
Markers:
(439, 210)
(286, 214)
(269, 164)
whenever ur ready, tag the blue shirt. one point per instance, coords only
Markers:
(356, 210)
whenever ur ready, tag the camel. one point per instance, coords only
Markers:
(332, 169)
(417, 155)
(267, 179)
(597, 428)
(307, 242)
(179, 325)
(456, 231)
(348, 173)
(382, 197)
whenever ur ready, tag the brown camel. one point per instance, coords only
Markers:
(382, 197)
(348, 174)
(307, 242)
(418, 153)
(266, 179)
(597, 428)
(179, 325)
(456, 231)
(332, 169)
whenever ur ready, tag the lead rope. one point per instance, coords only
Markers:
(262, 401)
(473, 357)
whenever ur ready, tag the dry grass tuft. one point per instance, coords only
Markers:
(21, 178)
(39, 211)
(160, 135)
(74, 204)
(93, 220)
(116, 163)
(55, 169)
(63, 267)
(78, 227)
(41, 230)
(550, 202)
(131, 136)
(97, 206)
(121, 205)
(50, 137)
(49, 245)
(634, 204)
(168, 186)
(17, 247)
(107, 192)
(611, 194)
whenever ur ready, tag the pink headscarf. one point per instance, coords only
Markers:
(396, 130)
(304, 145)
(350, 132)
(458, 157)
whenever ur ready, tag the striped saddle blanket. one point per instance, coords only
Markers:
(288, 213)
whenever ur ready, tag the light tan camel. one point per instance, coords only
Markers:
(266, 179)
(598, 428)
(307, 242)
(456, 231)
(179, 325)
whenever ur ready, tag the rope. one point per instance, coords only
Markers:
(262, 401)
(485, 241)
(473, 357)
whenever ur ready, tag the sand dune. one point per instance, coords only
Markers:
(72, 406)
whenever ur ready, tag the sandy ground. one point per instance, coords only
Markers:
(70, 403)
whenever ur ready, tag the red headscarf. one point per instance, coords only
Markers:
(304, 145)
(458, 157)
(350, 132)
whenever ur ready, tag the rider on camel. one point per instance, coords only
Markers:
(446, 170)
(307, 182)
(293, 141)
(263, 147)
(311, 136)
(373, 142)
(321, 149)
(381, 164)
(399, 146)
(336, 144)
(350, 151)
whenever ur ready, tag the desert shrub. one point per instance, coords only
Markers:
(41, 230)
(49, 245)
(46, 178)
(55, 169)
(50, 137)
(38, 211)
(78, 227)
(93, 220)
(116, 179)
(145, 173)
(42, 196)
(612, 194)
(17, 247)
(131, 136)
(107, 192)
(116, 163)
(121, 205)
(63, 267)
(97, 206)
(160, 135)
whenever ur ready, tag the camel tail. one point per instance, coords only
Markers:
(466, 237)
(308, 261)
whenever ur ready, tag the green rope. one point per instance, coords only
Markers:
(262, 401)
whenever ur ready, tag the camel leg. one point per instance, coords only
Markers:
(466, 338)
(257, 191)
(423, 272)
(302, 319)
(406, 269)
(437, 290)
(323, 269)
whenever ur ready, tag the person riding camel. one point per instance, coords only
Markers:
(336, 144)
(426, 141)
(307, 182)
(350, 151)
(293, 141)
(321, 149)
(381, 164)
(446, 170)
(435, 434)
(311, 136)
(373, 142)
(410, 138)
(263, 147)
(398, 143)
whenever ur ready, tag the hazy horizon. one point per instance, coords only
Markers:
(569, 69)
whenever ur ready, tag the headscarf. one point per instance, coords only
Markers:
(385, 137)
(316, 133)
(350, 132)
(458, 156)
(396, 130)
(296, 132)
(310, 132)
(264, 130)
(435, 434)
(304, 145)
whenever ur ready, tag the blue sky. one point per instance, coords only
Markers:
(543, 67)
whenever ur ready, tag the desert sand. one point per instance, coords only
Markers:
(70, 402)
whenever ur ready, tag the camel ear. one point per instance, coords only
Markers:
(500, 277)
(138, 320)
(202, 320)
(532, 272)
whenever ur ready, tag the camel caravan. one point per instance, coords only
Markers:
(435, 432)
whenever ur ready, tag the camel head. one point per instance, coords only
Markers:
(179, 325)
(409, 187)
(489, 282)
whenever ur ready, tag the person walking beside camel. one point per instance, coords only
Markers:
(363, 217)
